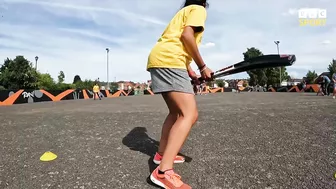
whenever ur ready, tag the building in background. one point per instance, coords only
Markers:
(291, 82)
(129, 85)
(125, 85)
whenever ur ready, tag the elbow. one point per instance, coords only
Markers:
(184, 37)
(187, 34)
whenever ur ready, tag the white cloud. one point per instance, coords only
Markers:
(75, 6)
(72, 35)
(290, 12)
(326, 42)
(208, 45)
(294, 75)
(3, 7)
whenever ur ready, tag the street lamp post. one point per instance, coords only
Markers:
(36, 59)
(107, 68)
(277, 44)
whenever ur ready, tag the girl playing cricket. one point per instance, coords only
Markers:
(170, 70)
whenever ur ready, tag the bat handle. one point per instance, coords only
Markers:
(200, 79)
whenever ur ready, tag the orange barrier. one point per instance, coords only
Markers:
(28, 96)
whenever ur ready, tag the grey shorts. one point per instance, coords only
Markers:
(170, 79)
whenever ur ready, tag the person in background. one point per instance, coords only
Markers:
(96, 91)
(195, 82)
(238, 85)
(207, 88)
(304, 85)
(202, 88)
(333, 77)
(320, 91)
(326, 83)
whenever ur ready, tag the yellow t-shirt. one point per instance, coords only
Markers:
(96, 89)
(169, 51)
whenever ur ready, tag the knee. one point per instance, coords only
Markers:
(173, 115)
(191, 115)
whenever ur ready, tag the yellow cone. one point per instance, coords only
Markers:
(48, 156)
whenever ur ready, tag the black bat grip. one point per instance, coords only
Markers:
(204, 80)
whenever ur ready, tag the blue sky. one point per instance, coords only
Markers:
(72, 35)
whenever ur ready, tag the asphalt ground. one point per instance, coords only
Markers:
(247, 140)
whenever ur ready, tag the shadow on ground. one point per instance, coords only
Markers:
(138, 140)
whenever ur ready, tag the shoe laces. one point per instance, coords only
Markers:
(175, 178)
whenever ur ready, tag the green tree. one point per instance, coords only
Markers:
(262, 77)
(253, 78)
(46, 82)
(272, 76)
(114, 86)
(284, 74)
(332, 67)
(269, 76)
(220, 83)
(87, 84)
(76, 79)
(245, 83)
(64, 86)
(61, 77)
(251, 53)
(257, 76)
(210, 83)
(311, 76)
(18, 74)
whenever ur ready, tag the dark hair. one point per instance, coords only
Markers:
(196, 2)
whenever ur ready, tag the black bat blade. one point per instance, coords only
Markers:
(260, 62)
(265, 61)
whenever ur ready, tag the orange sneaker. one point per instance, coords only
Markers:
(157, 159)
(168, 180)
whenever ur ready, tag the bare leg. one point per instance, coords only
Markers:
(184, 105)
(167, 125)
(303, 89)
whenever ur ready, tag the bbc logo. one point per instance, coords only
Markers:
(312, 17)
(312, 13)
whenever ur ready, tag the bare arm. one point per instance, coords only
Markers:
(191, 72)
(189, 42)
(190, 69)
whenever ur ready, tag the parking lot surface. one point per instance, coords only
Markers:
(247, 140)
